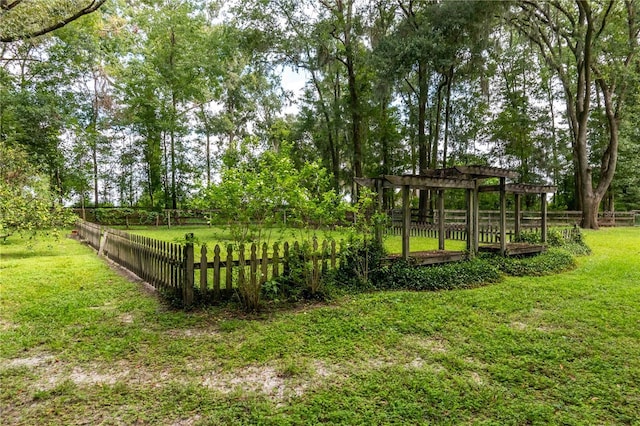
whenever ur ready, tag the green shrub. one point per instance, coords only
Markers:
(360, 260)
(576, 245)
(577, 248)
(401, 275)
(529, 237)
(572, 243)
(300, 280)
(550, 262)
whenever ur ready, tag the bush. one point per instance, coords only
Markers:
(301, 280)
(529, 237)
(403, 276)
(576, 245)
(550, 262)
(360, 260)
(573, 243)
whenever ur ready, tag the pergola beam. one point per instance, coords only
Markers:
(425, 182)
(521, 188)
(472, 172)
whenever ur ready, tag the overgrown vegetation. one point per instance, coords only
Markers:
(27, 204)
(403, 276)
(552, 261)
(573, 243)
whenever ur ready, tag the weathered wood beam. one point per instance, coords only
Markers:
(440, 219)
(486, 172)
(543, 213)
(468, 198)
(415, 181)
(368, 182)
(503, 216)
(521, 188)
(379, 226)
(406, 220)
(476, 219)
(518, 215)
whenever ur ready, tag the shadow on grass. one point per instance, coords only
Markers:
(29, 253)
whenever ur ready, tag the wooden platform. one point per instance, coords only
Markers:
(434, 257)
(514, 249)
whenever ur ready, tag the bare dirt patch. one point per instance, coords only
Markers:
(6, 325)
(30, 362)
(193, 332)
(476, 378)
(187, 422)
(432, 344)
(126, 318)
(417, 363)
(81, 376)
(259, 379)
(517, 325)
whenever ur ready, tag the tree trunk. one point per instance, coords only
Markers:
(356, 119)
(590, 213)
(94, 157)
(447, 113)
(174, 197)
(423, 147)
(335, 165)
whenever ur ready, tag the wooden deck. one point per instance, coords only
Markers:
(434, 257)
(514, 249)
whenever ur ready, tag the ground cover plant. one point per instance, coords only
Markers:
(83, 345)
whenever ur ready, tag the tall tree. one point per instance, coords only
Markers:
(592, 46)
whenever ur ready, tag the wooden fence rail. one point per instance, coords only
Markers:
(457, 232)
(159, 263)
(172, 269)
(532, 218)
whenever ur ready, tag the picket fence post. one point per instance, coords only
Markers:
(187, 286)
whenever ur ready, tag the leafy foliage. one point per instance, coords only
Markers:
(403, 276)
(26, 203)
(360, 261)
(552, 261)
(260, 191)
(573, 243)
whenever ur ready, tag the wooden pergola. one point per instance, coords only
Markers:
(519, 189)
(468, 178)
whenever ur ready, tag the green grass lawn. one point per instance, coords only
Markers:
(82, 345)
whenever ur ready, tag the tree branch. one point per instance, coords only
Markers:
(92, 7)
(603, 24)
(6, 6)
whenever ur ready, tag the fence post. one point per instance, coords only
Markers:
(216, 272)
(187, 285)
(229, 271)
(203, 270)
(276, 260)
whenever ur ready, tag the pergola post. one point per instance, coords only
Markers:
(543, 219)
(406, 220)
(503, 216)
(441, 219)
(469, 224)
(476, 217)
(517, 216)
(379, 226)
